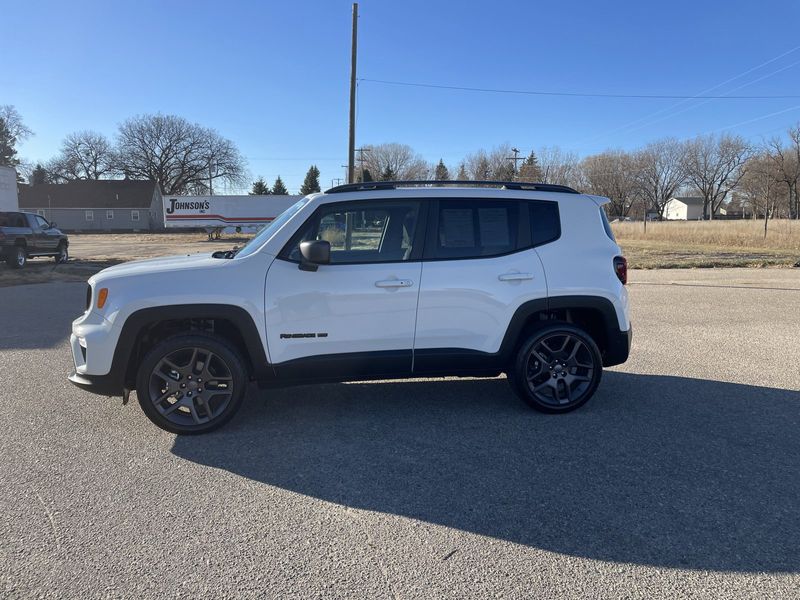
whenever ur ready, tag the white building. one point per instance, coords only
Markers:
(687, 208)
(8, 189)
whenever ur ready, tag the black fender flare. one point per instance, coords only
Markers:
(140, 319)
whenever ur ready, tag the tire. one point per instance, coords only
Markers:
(557, 369)
(172, 390)
(17, 257)
(62, 254)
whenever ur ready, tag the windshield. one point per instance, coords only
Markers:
(267, 231)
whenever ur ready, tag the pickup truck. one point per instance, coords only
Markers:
(27, 235)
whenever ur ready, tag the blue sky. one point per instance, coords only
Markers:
(273, 76)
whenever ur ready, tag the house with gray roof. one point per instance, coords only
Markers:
(96, 205)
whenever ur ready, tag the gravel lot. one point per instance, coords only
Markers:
(679, 479)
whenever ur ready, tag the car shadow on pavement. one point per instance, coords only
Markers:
(655, 470)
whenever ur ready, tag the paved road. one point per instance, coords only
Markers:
(680, 478)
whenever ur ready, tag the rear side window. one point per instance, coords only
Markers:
(475, 229)
(545, 222)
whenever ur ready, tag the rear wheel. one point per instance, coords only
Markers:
(62, 254)
(557, 369)
(191, 383)
(17, 257)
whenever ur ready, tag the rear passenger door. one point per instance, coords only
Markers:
(479, 266)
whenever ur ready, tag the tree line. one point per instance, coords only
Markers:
(762, 180)
(759, 180)
(181, 156)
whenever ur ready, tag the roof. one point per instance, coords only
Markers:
(88, 194)
(689, 200)
(369, 186)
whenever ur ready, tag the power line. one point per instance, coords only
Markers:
(576, 94)
(630, 124)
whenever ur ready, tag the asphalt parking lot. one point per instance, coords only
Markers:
(679, 479)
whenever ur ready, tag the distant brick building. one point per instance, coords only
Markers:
(104, 205)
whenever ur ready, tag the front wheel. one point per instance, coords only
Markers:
(557, 369)
(62, 254)
(191, 383)
(17, 257)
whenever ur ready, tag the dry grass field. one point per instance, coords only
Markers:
(665, 245)
(692, 244)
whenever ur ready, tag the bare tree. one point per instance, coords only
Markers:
(398, 159)
(611, 174)
(84, 155)
(786, 161)
(660, 172)
(558, 166)
(491, 165)
(760, 184)
(13, 121)
(715, 165)
(179, 155)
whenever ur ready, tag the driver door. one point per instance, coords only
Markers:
(354, 317)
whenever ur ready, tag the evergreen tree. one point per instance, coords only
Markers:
(8, 154)
(462, 172)
(260, 187)
(39, 175)
(530, 169)
(279, 189)
(442, 174)
(388, 174)
(366, 176)
(311, 182)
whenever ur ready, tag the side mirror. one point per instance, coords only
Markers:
(314, 253)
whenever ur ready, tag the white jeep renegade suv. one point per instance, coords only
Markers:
(368, 281)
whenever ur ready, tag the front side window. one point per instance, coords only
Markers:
(42, 223)
(476, 229)
(361, 232)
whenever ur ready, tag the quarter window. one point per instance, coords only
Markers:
(545, 222)
(475, 229)
(361, 232)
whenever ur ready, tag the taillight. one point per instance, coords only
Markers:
(621, 268)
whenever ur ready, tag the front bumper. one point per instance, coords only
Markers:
(104, 385)
(93, 343)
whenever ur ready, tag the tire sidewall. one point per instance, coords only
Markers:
(519, 379)
(63, 254)
(17, 258)
(216, 345)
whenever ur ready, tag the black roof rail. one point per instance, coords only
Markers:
(369, 186)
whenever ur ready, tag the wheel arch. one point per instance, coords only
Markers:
(146, 327)
(594, 314)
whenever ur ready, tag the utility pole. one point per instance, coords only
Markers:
(351, 152)
(360, 162)
(515, 158)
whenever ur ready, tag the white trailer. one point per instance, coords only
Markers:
(8, 190)
(214, 214)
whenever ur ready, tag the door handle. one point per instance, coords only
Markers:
(515, 276)
(394, 283)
